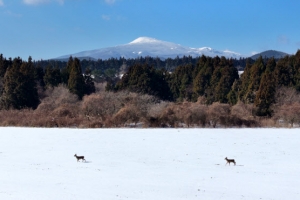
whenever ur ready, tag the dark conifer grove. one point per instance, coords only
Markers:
(203, 91)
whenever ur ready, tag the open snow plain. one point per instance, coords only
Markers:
(149, 164)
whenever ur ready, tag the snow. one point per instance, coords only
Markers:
(148, 164)
(145, 40)
(205, 49)
(154, 48)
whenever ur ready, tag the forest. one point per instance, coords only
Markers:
(149, 92)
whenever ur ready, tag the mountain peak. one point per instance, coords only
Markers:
(147, 46)
(269, 54)
(144, 40)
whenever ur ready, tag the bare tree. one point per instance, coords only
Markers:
(242, 111)
(127, 115)
(168, 117)
(101, 105)
(286, 95)
(218, 113)
(198, 114)
(289, 113)
(192, 114)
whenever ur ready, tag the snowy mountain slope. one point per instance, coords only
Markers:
(149, 164)
(145, 46)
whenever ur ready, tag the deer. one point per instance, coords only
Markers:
(79, 158)
(229, 161)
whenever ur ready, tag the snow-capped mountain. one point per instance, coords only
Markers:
(146, 46)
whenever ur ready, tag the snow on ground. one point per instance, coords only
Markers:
(149, 164)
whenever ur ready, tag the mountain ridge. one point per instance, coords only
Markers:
(270, 54)
(147, 46)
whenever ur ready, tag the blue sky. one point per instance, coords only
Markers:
(46, 29)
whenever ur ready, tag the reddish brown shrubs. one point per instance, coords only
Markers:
(60, 108)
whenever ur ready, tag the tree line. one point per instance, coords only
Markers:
(217, 80)
(106, 69)
(213, 82)
(20, 81)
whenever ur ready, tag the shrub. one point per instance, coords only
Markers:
(128, 114)
(289, 113)
(100, 106)
(168, 117)
(242, 111)
(218, 113)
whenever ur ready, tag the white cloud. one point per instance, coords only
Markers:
(36, 2)
(106, 17)
(1, 3)
(60, 1)
(282, 39)
(254, 52)
(12, 14)
(110, 1)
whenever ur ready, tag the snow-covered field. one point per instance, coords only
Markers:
(149, 164)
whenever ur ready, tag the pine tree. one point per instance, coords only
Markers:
(28, 89)
(201, 82)
(233, 95)
(295, 60)
(11, 82)
(283, 72)
(243, 92)
(250, 80)
(89, 84)
(52, 76)
(3, 65)
(146, 80)
(76, 83)
(265, 95)
(65, 72)
(181, 82)
(39, 76)
(228, 75)
(19, 86)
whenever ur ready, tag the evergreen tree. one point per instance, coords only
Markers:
(65, 72)
(181, 82)
(19, 86)
(185, 89)
(3, 65)
(295, 60)
(233, 94)
(201, 82)
(52, 76)
(146, 80)
(76, 83)
(28, 89)
(88, 80)
(11, 83)
(283, 72)
(250, 80)
(265, 95)
(228, 75)
(39, 76)
(243, 85)
(257, 70)
(211, 94)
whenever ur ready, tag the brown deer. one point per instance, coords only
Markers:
(229, 161)
(79, 158)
